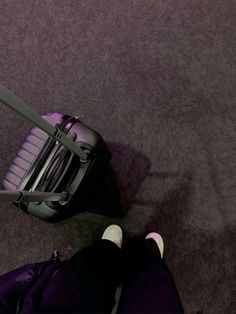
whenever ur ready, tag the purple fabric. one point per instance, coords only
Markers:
(32, 299)
(20, 289)
(87, 283)
(14, 284)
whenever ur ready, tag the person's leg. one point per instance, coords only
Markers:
(87, 283)
(148, 286)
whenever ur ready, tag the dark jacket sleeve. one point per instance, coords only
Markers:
(14, 284)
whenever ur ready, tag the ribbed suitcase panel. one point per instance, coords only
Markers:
(24, 159)
(27, 154)
(9, 185)
(11, 177)
(20, 172)
(20, 162)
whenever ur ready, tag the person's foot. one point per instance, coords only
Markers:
(159, 241)
(113, 233)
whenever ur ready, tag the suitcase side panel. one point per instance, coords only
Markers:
(27, 155)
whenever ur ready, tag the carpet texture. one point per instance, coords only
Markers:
(157, 80)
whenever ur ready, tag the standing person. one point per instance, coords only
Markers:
(87, 282)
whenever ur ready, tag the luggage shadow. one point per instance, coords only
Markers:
(116, 192)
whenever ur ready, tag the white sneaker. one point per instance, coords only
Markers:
(113, 233)
(159, 241)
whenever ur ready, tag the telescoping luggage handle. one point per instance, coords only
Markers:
(28, 196)
(20, 107)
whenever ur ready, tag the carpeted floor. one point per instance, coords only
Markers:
(157, 80)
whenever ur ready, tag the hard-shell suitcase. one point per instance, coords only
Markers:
(57, 167)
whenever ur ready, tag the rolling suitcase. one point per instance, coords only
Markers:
(57, 167)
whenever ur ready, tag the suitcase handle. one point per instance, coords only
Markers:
(20, 107)
(28, 196)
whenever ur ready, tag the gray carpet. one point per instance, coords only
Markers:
(157, 80)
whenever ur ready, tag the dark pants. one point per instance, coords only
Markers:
(88, 282)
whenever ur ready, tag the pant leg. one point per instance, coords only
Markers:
(87, 283)
(148, 286)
